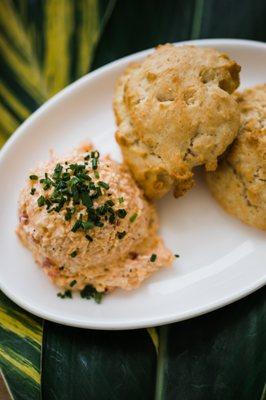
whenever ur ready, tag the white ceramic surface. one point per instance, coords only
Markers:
(221, 259)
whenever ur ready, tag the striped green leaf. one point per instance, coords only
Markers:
(214, 357)
(44, 46)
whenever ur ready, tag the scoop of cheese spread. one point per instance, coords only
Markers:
(87, 222)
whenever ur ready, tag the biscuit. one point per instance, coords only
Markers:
(239, 183)
(174, 111)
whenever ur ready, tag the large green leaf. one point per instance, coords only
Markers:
(218, 356)
(214, 357)
(87, 365)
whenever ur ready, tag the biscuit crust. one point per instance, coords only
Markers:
(174, 111)
(239, 183)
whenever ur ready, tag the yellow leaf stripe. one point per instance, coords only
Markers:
(16, 50)
(154, 337)
(22, 365)
(88, 32)
(21, 325)
(58, 31)
(13, 102)
(9, 122)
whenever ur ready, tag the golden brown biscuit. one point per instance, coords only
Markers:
(239, 183)
(174, 111)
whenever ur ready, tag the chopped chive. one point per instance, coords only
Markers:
(95, 154)
(71, 184)
(112, 219)
(153, 257)
(72, 283)
(99, 224)
(86, 200)
(89, 238)
(94, 163)
(177, 255)
(77, 225)
(65, 295)
(88, 225)
(133, 217)
(33, 190)
(65, 176)
(89, 292)
(121, 235)
(98, 296)
(121, 213)
(41, 201)
(33, 177)
(58, 168)
(121, 200)
(103, 185)
(68, 214)
(48, 204)
(74, 253)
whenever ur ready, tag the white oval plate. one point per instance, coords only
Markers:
(221, 259)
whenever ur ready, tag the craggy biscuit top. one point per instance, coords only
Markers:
(87, 222)
(175, 111)
(239, 183)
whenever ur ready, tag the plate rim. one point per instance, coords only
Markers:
(142, 323)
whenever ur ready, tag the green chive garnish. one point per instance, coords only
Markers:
(33, 190)
(88, 225)
(33, 177)
(121, 235)
(41, 201)
(65, 295)
(121, 213)
(71, 184)
(74, 253)
(98, 296)
(95, 154)
(103, 184)
(89, 292)
(72, 283)
(94, 163)
(77, 225)
(133, 217)
(153, 257)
